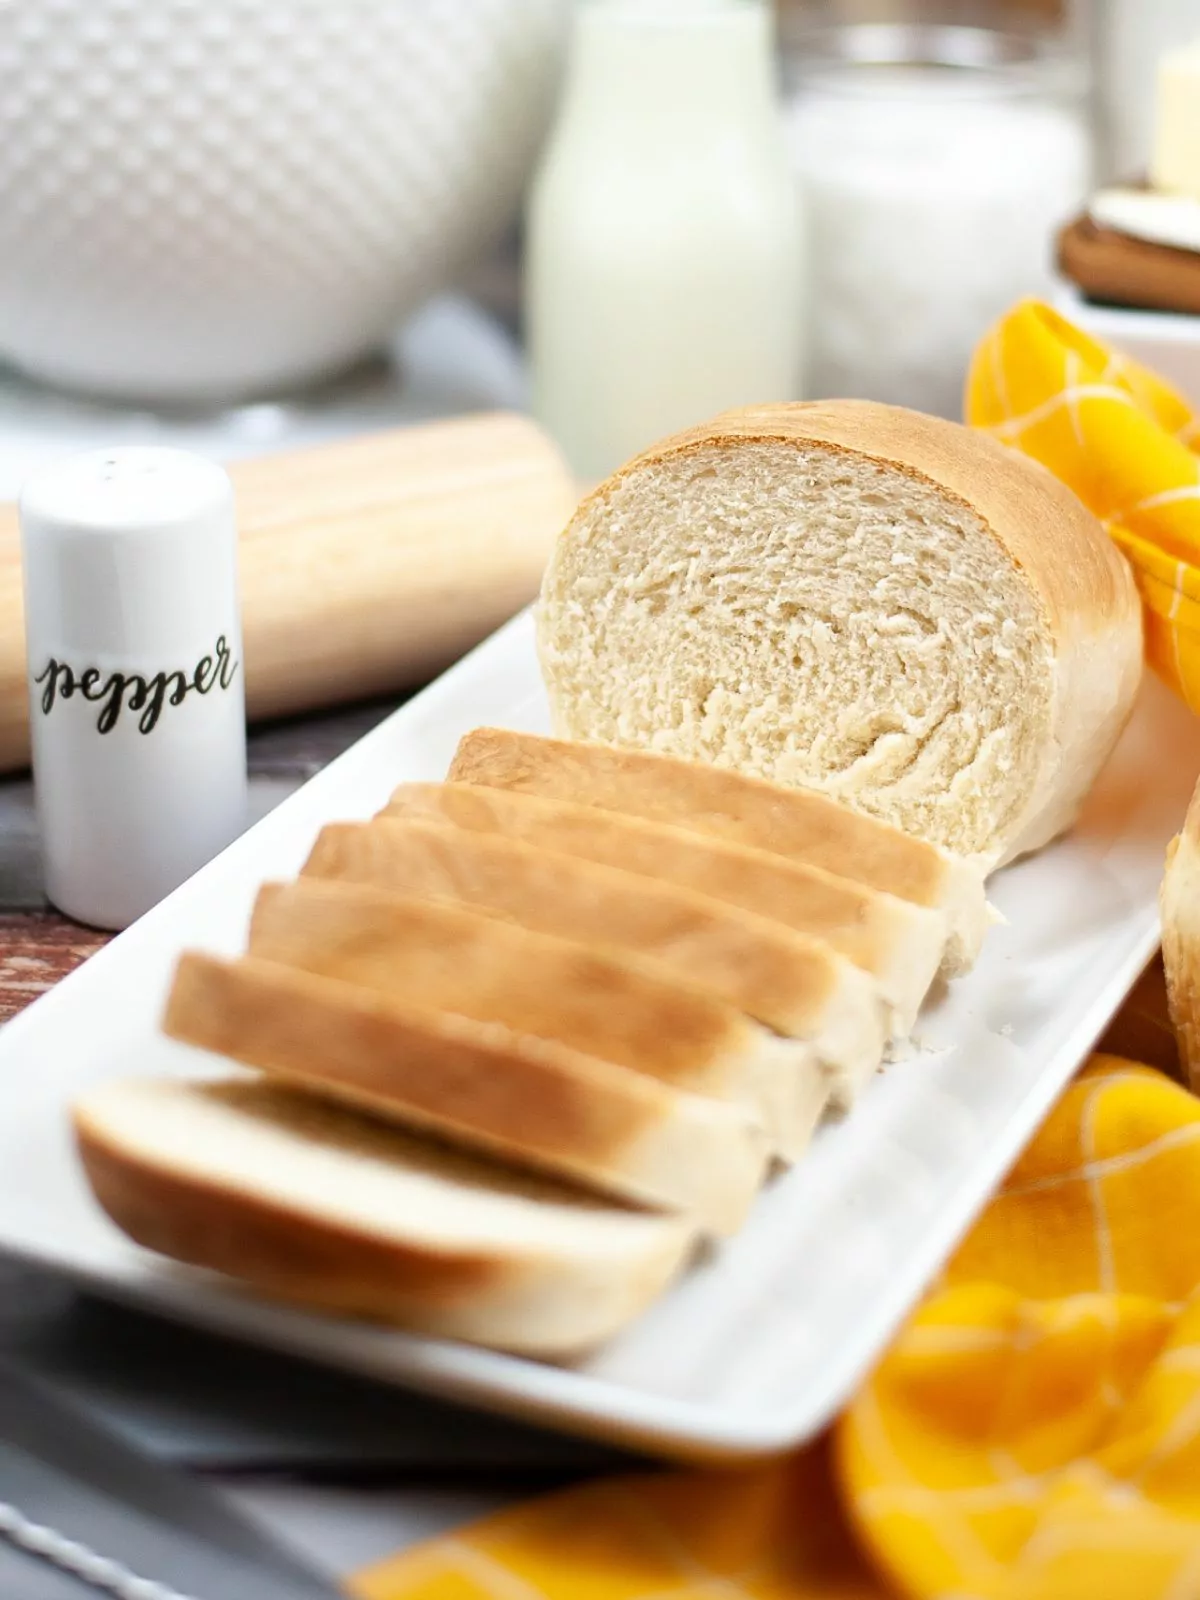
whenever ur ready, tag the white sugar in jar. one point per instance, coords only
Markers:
(938, 164)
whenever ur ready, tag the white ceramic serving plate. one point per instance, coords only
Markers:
(762, 1343)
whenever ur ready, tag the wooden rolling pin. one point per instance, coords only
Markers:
(366, 565)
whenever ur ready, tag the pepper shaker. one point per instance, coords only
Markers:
(137, 706)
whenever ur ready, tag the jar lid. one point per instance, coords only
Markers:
(854, 59)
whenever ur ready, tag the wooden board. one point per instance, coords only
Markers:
(366, 566)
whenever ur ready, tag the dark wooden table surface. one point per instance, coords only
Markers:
(38, 946)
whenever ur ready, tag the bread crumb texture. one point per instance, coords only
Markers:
(810, 616)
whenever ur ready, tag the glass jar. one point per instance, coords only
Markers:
(937, 165)
(1128, 37)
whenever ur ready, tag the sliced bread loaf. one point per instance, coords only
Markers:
(899, 944)
(797, 986)
(801, 825)
(851, 597)
(479, 1084)
(454, 959)
(1179, 903)
(341, 1213)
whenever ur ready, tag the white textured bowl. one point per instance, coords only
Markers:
(206, 198)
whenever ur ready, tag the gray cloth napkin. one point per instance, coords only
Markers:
(193, 1399)
(75, 1499)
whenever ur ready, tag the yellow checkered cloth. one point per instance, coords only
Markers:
(1034, 1434)
(1125, 442)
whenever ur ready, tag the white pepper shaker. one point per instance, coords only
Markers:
(137, 705)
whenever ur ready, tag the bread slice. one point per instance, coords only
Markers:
(453, 959)
(851, 597)
(1179, 905)
(339, 1213)
(799, 824)
(899, 944)
(477, 1084)
(796, 986)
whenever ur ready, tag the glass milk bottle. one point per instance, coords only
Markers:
(664, 259)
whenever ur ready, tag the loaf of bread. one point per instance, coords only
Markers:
(457, 960)
(1179, 904)
(893, 609)
(522, 1039)
(900, 945)
(528, 1101)
(801, 825)
(339, 1213)
(796, 986)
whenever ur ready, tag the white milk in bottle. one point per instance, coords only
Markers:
(664, 275)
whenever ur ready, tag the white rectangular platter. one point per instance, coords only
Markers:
(762, 1343)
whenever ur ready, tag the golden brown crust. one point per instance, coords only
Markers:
(449, 957)
(299, 1256)
(798, 824)
(1180, 908)
(897, 944)
(484, 1085)
(858, 922)
(766, 971)
(430, 1251)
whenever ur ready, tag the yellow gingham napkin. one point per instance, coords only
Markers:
(1034, 1433)
(1125, 441)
